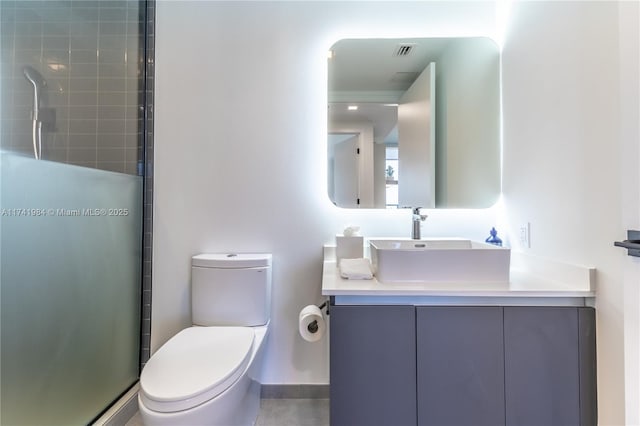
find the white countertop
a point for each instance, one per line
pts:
(530, 277)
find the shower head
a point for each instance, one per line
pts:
(34, 77)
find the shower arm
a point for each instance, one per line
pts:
(38, 82)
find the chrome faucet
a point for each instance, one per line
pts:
(417, 219)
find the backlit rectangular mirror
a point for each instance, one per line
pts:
(414, 123)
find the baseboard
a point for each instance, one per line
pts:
(127, 406)
(122, 411)
(294, 391)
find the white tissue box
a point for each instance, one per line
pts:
(349, 247)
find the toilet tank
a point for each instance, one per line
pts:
(231, 289)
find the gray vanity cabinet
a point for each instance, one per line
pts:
(373, 366)
(460, 365)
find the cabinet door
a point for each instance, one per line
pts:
(588, 373)
(372, 366)
(541, 366)
(460, 365)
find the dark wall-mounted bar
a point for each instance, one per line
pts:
(632, 243)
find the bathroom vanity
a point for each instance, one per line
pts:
(520, 352)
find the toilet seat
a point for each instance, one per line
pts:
(194, 366)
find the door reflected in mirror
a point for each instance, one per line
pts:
(414, 123)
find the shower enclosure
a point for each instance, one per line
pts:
(73, 193)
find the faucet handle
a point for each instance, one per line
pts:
(418, 216)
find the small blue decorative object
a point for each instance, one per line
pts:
(494, 239)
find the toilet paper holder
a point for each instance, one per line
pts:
(313, 325)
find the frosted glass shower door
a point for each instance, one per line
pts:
(70, 289)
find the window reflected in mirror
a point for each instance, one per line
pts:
(391, 176)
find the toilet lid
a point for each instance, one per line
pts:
(194, 366)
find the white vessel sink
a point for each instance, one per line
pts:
(439, 260)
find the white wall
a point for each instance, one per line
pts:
(629, 58)
(241, 152)
(379, 175)
(564, 151)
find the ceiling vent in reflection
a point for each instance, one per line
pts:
(404, 49)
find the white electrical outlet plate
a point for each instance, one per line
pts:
(525, 235)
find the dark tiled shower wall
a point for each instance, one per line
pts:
(147, 154)
(91, 55)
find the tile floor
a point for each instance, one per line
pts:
(283, 412)
(135, 420)
(293, 412)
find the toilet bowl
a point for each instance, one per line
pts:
(209, 374)
(174, 389)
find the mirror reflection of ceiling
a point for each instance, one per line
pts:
(379, 70)
(374, 73)
(383, 117)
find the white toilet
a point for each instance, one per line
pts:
(208, 374)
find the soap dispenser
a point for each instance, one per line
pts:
(494, 239)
